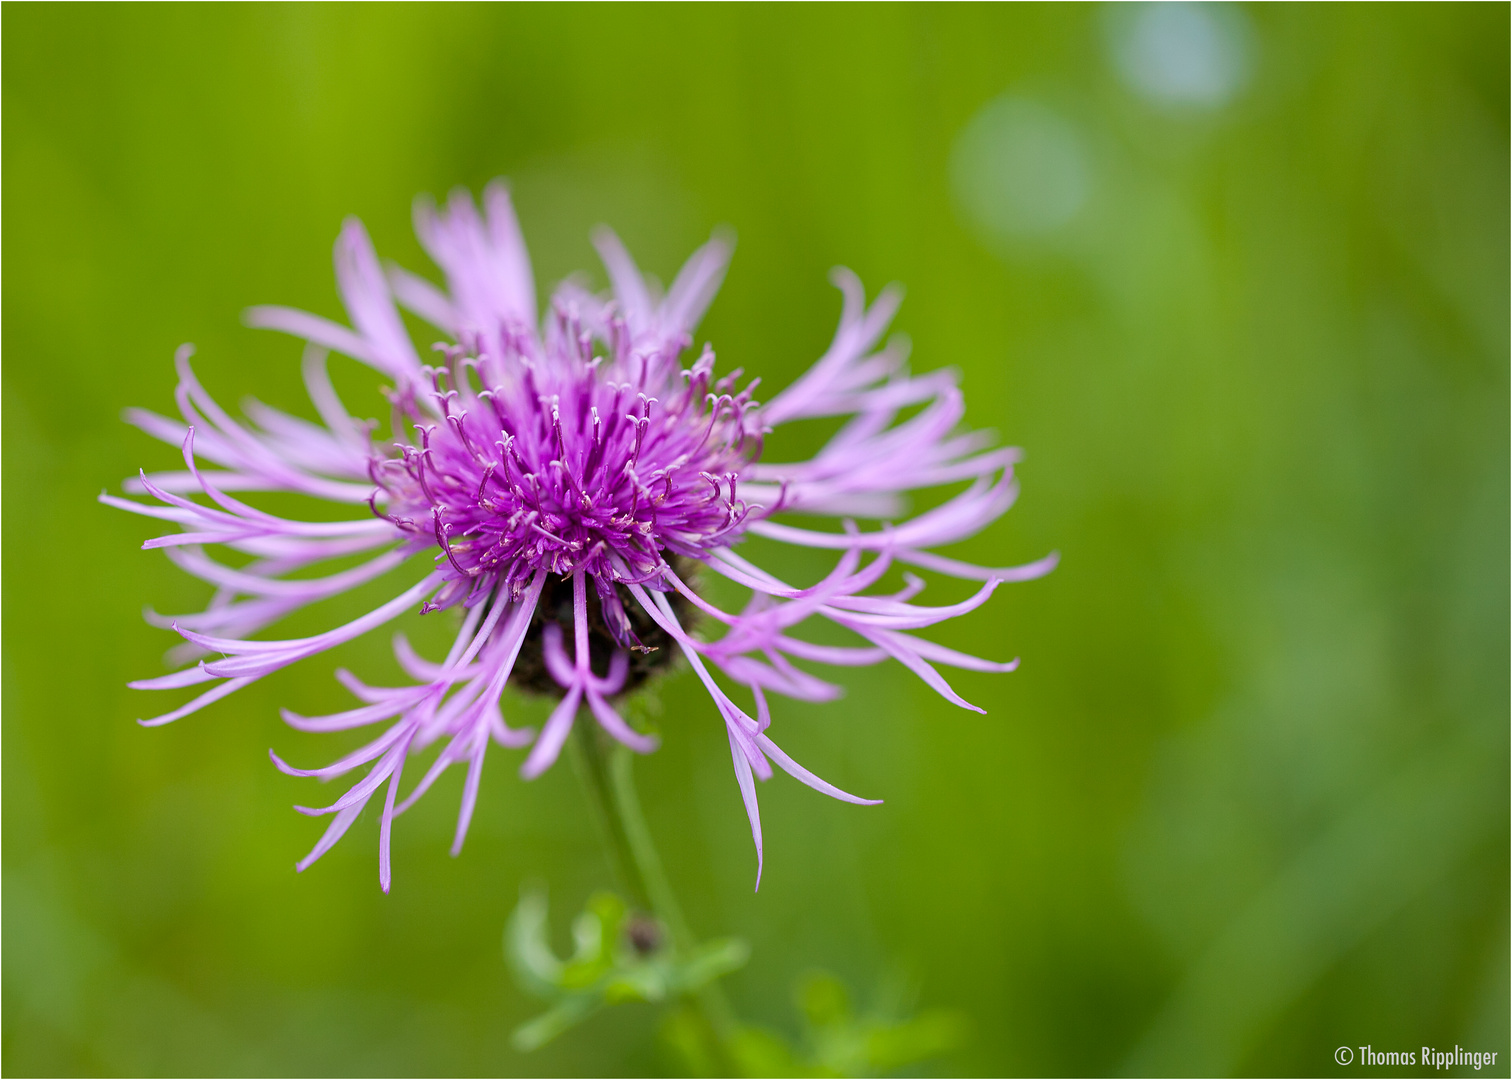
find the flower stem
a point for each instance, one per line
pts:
(593, 770)
(609, 778)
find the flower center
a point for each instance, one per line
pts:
(657, 651)
(569, 463)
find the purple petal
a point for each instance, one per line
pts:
(748, 796)
(797, 771)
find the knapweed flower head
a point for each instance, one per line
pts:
(561, 479)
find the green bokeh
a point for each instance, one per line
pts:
(1245, 801)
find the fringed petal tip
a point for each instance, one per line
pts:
(1030, 571)
(514, 738)
(532, 769)
(288, 770)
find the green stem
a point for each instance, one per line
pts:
(643, 851)
(611, 791)
(711, 997)
(588, 756)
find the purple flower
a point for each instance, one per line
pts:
(563, 484)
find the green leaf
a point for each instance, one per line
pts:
(926, 1036)
(606, 967)
(823, 999)
(527, 946)
(710, 961)
(571, 1011)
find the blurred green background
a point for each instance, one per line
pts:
(1237, 279)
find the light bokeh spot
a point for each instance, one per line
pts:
(1181, 54)
(1020, 170)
